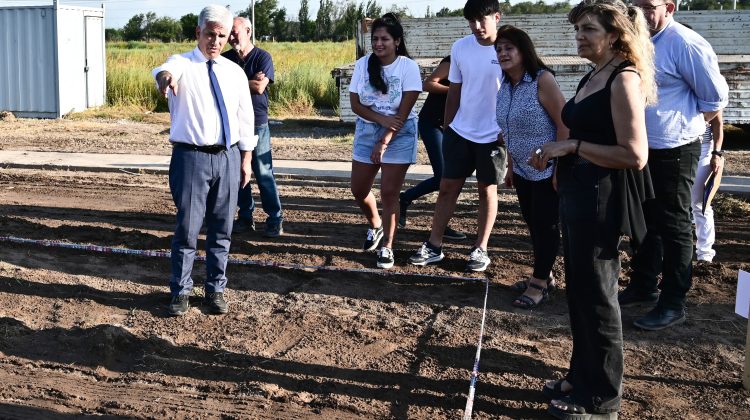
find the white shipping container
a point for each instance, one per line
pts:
(53, 60)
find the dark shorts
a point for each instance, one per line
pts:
(462, 157)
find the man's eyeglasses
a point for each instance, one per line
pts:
(651, 8)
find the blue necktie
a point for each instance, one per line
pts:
(216, 90)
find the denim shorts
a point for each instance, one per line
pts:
(402, 149)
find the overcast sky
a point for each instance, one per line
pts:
(117, 12)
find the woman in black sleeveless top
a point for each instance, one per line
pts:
(601, 186)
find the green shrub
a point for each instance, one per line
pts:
(132, 45)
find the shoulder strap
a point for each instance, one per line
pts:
(621, 68)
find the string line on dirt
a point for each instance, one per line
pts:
(167, 254)
(474, 377)
(475, 369)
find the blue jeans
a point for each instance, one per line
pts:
(263, 174)
(432, 136)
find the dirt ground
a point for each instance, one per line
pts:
(321, 138)
(86, 333)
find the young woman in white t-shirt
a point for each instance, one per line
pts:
(385, 85)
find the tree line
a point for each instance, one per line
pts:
(335, 20)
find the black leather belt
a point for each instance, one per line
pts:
(213, 149)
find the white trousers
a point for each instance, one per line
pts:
(704, 223)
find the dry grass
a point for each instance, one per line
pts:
(303, 79)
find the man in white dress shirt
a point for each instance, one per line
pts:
(212, 133)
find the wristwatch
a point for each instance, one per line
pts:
(719, 153)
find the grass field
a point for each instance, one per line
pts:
(303, 74)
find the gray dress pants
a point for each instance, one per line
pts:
(204, 186)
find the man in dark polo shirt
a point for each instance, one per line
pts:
(258, 67)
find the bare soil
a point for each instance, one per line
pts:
(303, 138)
(86, 333)
(318, 138)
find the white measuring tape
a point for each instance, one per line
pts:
(475, 370)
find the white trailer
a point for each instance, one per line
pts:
(53, 60)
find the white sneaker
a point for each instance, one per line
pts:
(478, 260)
(385, 258)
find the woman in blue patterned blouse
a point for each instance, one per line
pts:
(529, 105)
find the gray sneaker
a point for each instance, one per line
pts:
(179, 305)
(273, 230)
(373, 239)
(427, 255)
(478, 260)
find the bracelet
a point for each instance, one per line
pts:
(719, 153)
(578, 147)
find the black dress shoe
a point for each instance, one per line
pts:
(179, 305)
(216, 303)
(632, 297)
(660, 318)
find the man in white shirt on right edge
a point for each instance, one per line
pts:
(470, 139)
